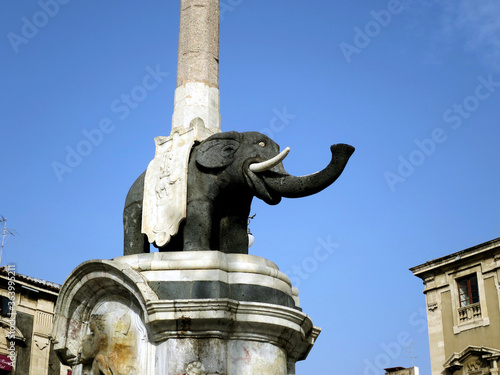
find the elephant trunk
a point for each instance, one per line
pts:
(296, 187)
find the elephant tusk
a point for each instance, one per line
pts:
(268, 164)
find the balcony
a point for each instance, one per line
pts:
(469, 313)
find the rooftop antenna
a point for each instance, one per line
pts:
(5, 233)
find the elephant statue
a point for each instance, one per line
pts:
(225, 172)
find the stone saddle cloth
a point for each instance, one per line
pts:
(165, 187)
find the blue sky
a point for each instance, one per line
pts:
(413, 85)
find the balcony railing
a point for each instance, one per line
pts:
(469, 313)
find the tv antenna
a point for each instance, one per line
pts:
(6, 232)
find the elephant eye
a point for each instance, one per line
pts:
(262, 144)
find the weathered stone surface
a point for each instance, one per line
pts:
(111, 317)
(250, 358)
(198, 57)
(116, 341)
(188, 355)
(197, 100)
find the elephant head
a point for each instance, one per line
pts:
(230, 155)
(261, 165)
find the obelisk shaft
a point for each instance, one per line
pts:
(197, 92)
(198, 58)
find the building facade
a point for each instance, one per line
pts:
(402, 371)
(462, 293)
(26, 314)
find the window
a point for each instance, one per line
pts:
(4, 306)
(468, 299)
(468, 290)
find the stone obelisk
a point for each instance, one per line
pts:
(197, 92)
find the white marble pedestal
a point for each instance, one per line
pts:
(177, 313)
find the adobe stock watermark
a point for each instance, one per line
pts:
(392, 350)
(30, 26)
(309, 265)
(364, 36)
(228, 6)
(122, 107)
(278, 122)
(455, 116)
(11, 335)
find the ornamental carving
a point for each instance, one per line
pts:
(473, 365)
(109, 348)
(432, 306)
(165, 187)
(195, 368)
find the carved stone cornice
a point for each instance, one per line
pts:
(234, 320)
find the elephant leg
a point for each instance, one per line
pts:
(234, 235)
(198, 225)
(135, 242)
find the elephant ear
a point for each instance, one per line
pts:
(217, 153)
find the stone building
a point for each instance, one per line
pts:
(25, 333)
(402, 371)
(462, 293)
